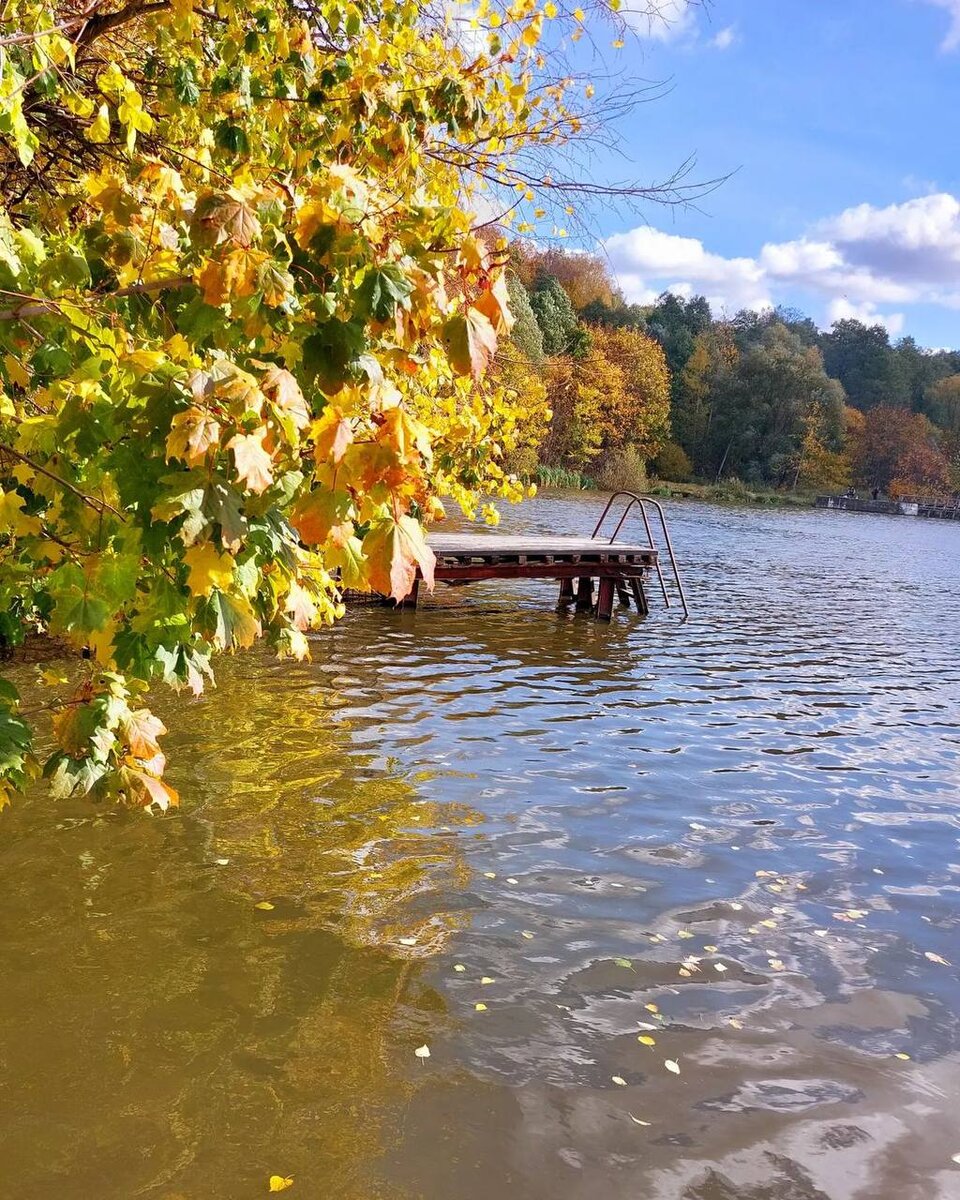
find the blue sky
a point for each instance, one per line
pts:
(840, 119)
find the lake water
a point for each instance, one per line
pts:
(757, 813)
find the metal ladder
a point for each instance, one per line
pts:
(641, 502)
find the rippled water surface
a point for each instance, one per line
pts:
(737, 837)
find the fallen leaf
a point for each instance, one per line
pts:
(221, 862)
(619, 1080)
(673, 1067)
(711, 949)
(684, 933)
(408, 941)
(488, 979)
(459, 967)
(526, 934)
(489, 874)
(646, 1040)
(637, 1121)
(480, 1007)
(902, 1056)
(510, 879)
(280, 1183)
(935, 958)
(422, 1052)
(651, 1008)
(719, 967)
(624, 962)
(265, 905)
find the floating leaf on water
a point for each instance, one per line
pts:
(637, 1121)
(684, 933)
(408, 941)
(935, 958)
(769, 923)
(719, 967)
(624, 962)
(672, 1066)
(734, 1023)
(776, 963)
(711, 949)
(265, 905)
(619, 1080)
(280, 1183)
(422, 1052)
(459, 968)
(526, 934)
(221, 862)
(684, 973)
(480, 1006)
(510, 879)
(488, 979)
(489, 874)
(903, 1057)
(651, 1008)
(736, 905)
(646, 1040)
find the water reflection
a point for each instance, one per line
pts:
(736, 837)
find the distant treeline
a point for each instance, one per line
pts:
(765, 397)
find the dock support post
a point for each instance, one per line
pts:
(640, 596)
(410, 599)
(566, 593)
(584, 594)
(622, 594)
(605, 592)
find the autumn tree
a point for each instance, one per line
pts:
(637, 413)
(897, 451)
(245, 329)
(584, 277)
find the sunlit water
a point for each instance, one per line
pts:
(771, 788)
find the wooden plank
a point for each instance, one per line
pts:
(485, 545)
(465, 572)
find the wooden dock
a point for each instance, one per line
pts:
(619, 566)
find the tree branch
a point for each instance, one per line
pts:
(37, 306)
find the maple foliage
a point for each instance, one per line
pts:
(245, 327)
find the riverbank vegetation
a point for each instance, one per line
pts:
(758, 403)
(250, 289)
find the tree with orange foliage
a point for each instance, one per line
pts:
(896, 450)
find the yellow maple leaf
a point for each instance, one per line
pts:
(280, 1183)
(208, 569)
(254, 464)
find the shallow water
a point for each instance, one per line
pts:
(533, 798)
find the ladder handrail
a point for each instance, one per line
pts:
(641, 502)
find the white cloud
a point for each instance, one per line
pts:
(841, 309)
(662, 20)
(646, 254)
(724, 39)
(952, 39)
(863, 257)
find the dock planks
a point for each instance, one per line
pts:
(468, 557)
